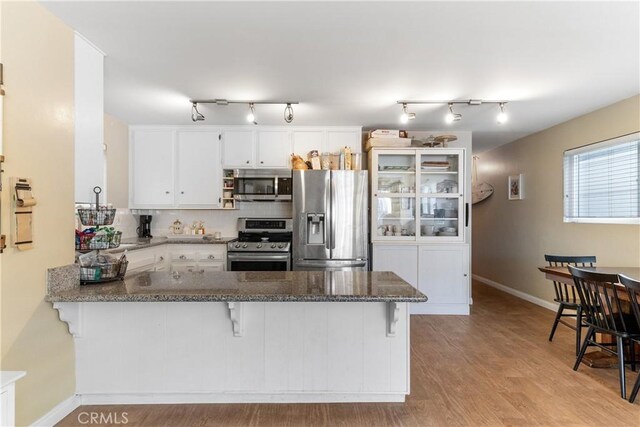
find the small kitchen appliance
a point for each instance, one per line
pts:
(263, 244)
(262, 185)
(144, 230)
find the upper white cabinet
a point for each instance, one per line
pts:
(151, 169)
(274, 149)
(338, 138)
(172, 168)
(305, 140)
(238, 148)
(198, 169)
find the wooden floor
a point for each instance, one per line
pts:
(493, 368)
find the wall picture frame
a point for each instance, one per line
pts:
(516, 187)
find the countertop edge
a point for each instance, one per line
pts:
(225, 298)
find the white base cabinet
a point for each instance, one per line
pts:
(178, 257)
(440, 271)
(8, 397)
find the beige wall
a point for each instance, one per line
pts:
(510, 238)
(116, 138)
(37, 52)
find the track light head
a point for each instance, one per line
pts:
(451, 115)
(406, 115)
(502, 116)
(288, 113)
(196, 116)
(251, 117)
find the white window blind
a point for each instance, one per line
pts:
(601, 181)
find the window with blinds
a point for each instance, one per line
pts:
(601, 182)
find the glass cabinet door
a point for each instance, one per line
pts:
(441, 195)
(394, 195)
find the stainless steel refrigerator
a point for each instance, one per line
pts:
(330, 230)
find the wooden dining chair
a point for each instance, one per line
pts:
(633, 291)
(566, 296)
(604, 314)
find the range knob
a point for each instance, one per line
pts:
(259, 245)
(245, 246)
(273, 245)
(280, 246)
(237, 245)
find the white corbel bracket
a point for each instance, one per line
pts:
(71, 314)
(237, 321)
(393, 315)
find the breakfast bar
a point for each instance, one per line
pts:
(208, 337)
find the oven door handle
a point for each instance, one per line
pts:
(244, 256)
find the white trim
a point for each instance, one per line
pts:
(58, 412)
(522, 295)
(177, 398)
(90, 43)
(587, 220)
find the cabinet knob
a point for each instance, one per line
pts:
(261, 162)
(212, 257)
(161, 259)
(247, 161)
(183, 257)
(166, 192)
(465, 274)
(182, 192)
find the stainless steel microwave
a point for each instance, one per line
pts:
(262, 184)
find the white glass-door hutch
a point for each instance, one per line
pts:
(418, 195)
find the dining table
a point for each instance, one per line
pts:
(594, 359)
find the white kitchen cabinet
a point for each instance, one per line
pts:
(196, 257)
(171, 168)
(402, 260)
(198, 169)
(151, 168)
(440, 271)
(238, 148)
(273, 149)
(146, 259)
(443, 275)
(338, 138)
(418, 195)
(305, 140)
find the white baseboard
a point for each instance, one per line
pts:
(178, 398)
(58, 412)
(522, 295)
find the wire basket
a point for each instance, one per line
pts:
(104, 272)
(97, 216)
(93, 241)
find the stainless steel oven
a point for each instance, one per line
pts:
(264, 244)
(262, 184)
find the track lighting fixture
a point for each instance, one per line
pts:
(406, 115)
(502, 116)
(288, 113)
(251, 117)
(196, 116)
(451, 115)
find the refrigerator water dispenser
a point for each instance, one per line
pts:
(315, 229)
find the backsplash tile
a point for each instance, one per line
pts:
(225, 221)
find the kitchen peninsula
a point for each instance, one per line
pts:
(211, 337)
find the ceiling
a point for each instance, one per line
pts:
(348, 63)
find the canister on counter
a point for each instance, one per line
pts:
(356, 161)
(347, 158)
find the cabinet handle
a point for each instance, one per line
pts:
(261, 162)
(182, 192)
(466, 214)
(465, 274)
(161, 259)
(166, 192)
(219, 199)
(247, 161)
(183, 257)
(212, 257)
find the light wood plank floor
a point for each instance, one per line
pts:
(492, 368)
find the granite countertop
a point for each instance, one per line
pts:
(133, 243)
(258, 286)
